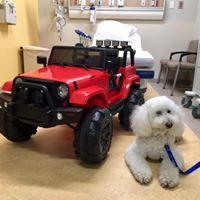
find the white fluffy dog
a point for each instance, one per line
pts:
(155, 123)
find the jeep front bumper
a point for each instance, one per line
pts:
(37, 116)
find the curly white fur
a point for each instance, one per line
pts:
(155, 124)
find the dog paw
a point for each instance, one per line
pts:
(168, 181)
(179, 139)
(143, 178)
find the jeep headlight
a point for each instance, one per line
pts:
(63, 91)
(18, 80)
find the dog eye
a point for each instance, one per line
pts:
(168, 111)
(159, 113)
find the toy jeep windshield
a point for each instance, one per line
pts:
(85, 57)
(93, 57)
(78, 86)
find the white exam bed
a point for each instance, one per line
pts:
(143, 59)
(113, 30)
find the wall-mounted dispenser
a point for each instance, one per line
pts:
(8, 12)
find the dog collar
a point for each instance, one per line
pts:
(173, 160)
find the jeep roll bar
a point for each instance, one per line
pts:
(103, 51)
(120, 46)
(132, 55)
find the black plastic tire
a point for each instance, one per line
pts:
(94, 135)
(135, 98)
(186, 102)
(196, 113)
(17, 131)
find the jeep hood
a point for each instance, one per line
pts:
(66, 74)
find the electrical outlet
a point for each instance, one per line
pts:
(120, 3)
(92, 1)
(111, 3)
(154, 3)
(100, 2)
(181, 5)
(79, 2)
(143, 2)
(171, 4)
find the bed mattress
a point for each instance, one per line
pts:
(143, 59)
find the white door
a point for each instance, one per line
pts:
(196, 85)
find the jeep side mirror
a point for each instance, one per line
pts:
(42, 60)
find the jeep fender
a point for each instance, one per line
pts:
(128, 84)
(83, 96)
(7, 86)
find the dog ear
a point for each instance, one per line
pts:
(139, 121)
(179, 126)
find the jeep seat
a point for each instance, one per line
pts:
(113, 63)
(113, 60)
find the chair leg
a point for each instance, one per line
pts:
(159, 75)
(166, 76)
(175, 79)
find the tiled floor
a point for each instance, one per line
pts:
(194, 124)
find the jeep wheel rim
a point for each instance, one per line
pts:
(105, 138)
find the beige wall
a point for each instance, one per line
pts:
(12, 37)
(159, 38)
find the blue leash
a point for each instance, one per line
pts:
(173, 160)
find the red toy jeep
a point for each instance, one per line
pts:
(81, 87)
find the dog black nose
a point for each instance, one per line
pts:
(169, 125)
